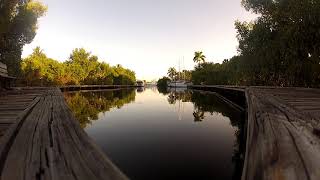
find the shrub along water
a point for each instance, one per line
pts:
(81, 68)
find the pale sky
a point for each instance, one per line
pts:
(147, 36)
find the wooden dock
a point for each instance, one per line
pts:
(40, 139)
(283, 137)
(283, 131)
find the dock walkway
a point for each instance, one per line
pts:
(283, 138)
(42, 140)
(283, 131)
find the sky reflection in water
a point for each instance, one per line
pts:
(167, 135)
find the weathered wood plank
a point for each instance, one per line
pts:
(280, 140)
(10, 120)
(8, 138)
(92, 163)
(17, 157)
(48, 143)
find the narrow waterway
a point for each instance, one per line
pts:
(152, 135)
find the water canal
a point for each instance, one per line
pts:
(166, 135)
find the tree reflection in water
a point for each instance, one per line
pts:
(86, 106)
(140, 89)
(163, 90)
(205, 102)
(198, 115)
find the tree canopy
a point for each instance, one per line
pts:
(280, 48)
(18, 25)
(81, 68)
(162, 83)
(172, 72)
(199, 57)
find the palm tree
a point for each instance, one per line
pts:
(172, 73)
(199, 57)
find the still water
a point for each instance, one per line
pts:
(166, 135)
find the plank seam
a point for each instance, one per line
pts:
(12, 135)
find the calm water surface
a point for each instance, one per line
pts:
(169, 135)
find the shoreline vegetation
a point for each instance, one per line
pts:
(82, 68)
(18, 26)
(281, 47)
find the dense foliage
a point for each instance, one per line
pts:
(80, 68)
(227, 73)
(281, 47)
(18, 25)
(163, 82)
(173, 75)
